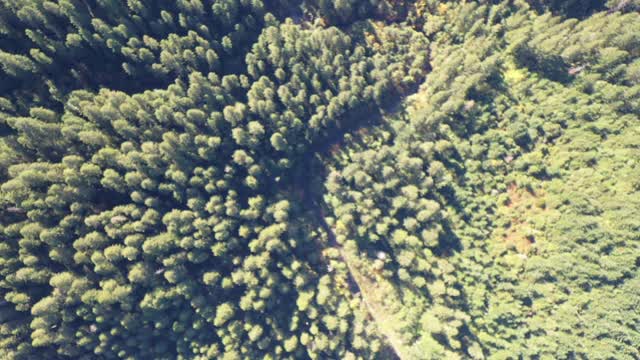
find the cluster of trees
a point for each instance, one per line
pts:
(166, 189)
(131, 46)
(516, 103)
(345, 12)
(146, 198)
(574, 135)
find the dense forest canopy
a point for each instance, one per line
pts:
(314, 179)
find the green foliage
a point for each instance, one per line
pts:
(235, 179)
(506, 103)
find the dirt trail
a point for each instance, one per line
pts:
(370, 292)
(373, 292)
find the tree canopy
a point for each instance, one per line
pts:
(310, 179)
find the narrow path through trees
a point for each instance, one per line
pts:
(360, 285)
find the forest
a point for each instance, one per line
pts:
(316, 179)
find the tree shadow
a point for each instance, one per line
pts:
(552, 67)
